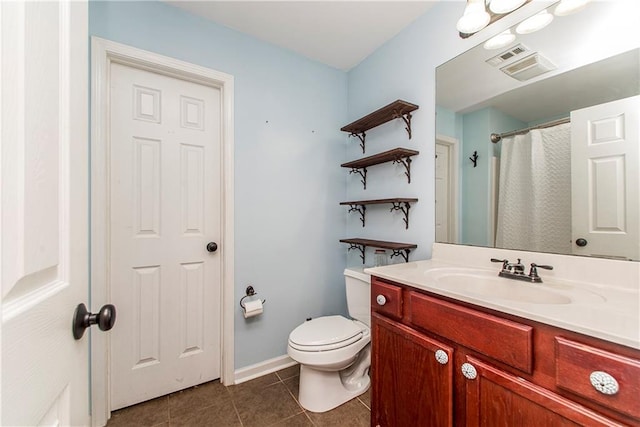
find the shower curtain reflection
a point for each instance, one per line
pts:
(534, 196)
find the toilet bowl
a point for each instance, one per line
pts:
(334, 352)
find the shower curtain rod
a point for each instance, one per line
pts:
(496, 137)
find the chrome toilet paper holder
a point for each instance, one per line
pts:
(250, 292)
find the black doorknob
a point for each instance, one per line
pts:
(82, 319)
(581, 242)
(212, 246)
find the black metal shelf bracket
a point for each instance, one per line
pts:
(361, 136)
(361, 209)
(407, 166)
(358, 247)
(363, 173)
(407, 121)
(404, 208)
(404, 253)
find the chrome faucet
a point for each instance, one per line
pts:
(516, 270)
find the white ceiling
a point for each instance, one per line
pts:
(339, 33)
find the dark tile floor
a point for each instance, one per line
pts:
(270, 400)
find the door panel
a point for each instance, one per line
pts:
(44, 212)
(165, 207)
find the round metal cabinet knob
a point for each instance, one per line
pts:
(442, 357)
(604, 383)
(381, 300)
(469, 371)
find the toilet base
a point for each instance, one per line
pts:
(321, 391)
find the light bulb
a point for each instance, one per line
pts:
(474, 19)
(535, 23)
(501, 40)
(567, 7)
(505, 6)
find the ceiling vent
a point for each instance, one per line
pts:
(508, 54)
(529, 67)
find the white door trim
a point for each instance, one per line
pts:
(103, 53)
(454, 172)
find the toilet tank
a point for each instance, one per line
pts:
(358, 286)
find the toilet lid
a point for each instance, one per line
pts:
(328, 332)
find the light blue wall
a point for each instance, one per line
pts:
(501, 122)
(288, 148)
(448, 123)
(476, 182)
(404, 68)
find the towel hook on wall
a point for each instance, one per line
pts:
(474, 159)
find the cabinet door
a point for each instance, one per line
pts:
(411, 387)
(496, 398)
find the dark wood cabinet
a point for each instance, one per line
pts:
(411, 387)
(501, 370)
(497, 398)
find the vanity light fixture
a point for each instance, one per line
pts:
(535, 23)
(480, 13)
(567, 7)
(475, 17)
(503, 39)
(505, 6)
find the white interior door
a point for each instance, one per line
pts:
(446, 194)
(165, 187)
(605, 162)
(44, 212)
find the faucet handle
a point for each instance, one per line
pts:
(533, 273)
(504, 262)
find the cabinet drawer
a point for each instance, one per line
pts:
(392, 305)
(575, 363)
(503, 340)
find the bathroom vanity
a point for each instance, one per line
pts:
(490, 353)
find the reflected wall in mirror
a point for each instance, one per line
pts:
(565, 175)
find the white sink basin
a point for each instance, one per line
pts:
(489, 285)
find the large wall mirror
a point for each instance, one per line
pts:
(564, 103)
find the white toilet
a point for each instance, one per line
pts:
(335, 352)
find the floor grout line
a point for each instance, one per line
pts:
(235, 408)
(309, 418)
(365, 405)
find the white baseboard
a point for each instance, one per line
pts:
(263, 368)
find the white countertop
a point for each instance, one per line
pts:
(607, 309)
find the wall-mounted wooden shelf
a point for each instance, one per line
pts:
(396, 110)
(398, 203)
(397, 155)
(398, 249)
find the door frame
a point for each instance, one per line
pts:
(454, 201)
(103, 53)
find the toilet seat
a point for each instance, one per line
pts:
(325, 333)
